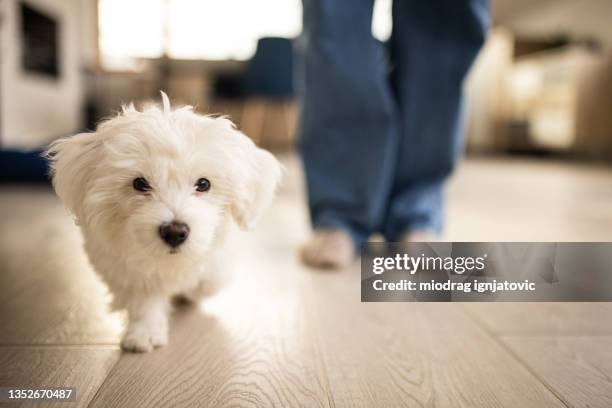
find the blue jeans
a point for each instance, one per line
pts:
(380, 128)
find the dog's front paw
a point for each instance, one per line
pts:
(141, 338)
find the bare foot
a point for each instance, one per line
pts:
(328, 248)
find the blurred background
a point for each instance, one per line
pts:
(542, 84)
(539, 128)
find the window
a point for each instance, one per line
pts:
(201, 29)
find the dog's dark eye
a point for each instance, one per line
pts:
(141, 184)
(202, 185)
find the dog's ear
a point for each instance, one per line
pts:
(259, 177)
(72, 161)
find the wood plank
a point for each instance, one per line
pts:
(506, 199)
(579, 369)
(49, 293)
(82, 367)
(543, 318)
(413, 354)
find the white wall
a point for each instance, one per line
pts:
(36, 109)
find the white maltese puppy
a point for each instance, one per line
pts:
(155, 193)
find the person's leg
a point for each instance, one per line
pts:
(347, 124)
(433, 45)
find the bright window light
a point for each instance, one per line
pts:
(131, 28)
(192, 29)
(202, 29)
(228, 29)
(382, 22)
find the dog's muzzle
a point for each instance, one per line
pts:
(174, 233)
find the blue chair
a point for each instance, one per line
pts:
(269, 73)
(269, 80)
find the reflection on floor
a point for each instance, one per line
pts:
(283, 335)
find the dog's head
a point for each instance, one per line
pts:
(164, 179)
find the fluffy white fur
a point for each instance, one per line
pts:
(93, 174)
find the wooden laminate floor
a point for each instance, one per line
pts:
(284, 335)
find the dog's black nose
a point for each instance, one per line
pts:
(174, 233)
